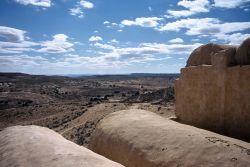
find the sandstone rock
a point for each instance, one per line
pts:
(243, 53)
(138, 138)
(33, 146)
(215, 98)
(202, 55)
(224, 58)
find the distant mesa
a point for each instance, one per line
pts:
(30, 146)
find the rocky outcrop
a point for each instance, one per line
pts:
(243, 53)
(29, 146)
(138, 138)
(216, 97)
(202, 55)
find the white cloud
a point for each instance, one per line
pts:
(229, 3)
(151, 48)
(106, 22)
(40, 3)
(13, 47)
(116, 57)
(192, 7)
(14, 41)
(189, 24)
(21, 61)
(179, 13)
(176, 40)
(104, 46)
(59, 44)
(12, 34)
(114, 41)
(77, 11)
(109, 24)
(232, 39)
(207, 27)
(95, 38)
(111, 58)
(142, 21)
(172, 49)
(86, 4)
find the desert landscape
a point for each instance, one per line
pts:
(136, 120)
(94, 83)
(72, 106)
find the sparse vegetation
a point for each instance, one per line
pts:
(73, 106)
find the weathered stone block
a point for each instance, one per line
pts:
(215, 98)
(138, 138)
(202, 55)
(33, 146)
(243, 53)
(224, 58)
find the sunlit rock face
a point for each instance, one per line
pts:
(33, 146)
(203, 54)
(216, 96)
(138, 138)
(243, 53)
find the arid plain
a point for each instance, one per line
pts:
(72, 106)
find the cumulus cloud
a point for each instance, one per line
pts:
(150, 49)
(13, 41)
(176, 40)
(229, 3)
(40, 3)
(104, 46)
(109, 24)
(86, 4)
(210, 27)
(116, 57)
(78, 9)
(95, 38)
(111, 57)
(114, 41)
(192, 7)
(142, 21)
(172, 49)
(13, 47)
(21, 61)
(106, 22)
(59, 44)
(189, 24)
(12, 34)
(232, 39)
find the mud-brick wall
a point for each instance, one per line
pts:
(216, 99)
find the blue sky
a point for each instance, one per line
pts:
(114, 36)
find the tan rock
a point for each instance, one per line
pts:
(224, 58)
(202, 55)
(33, 146)
(138, 138)
(243, 53)
(215, 98)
